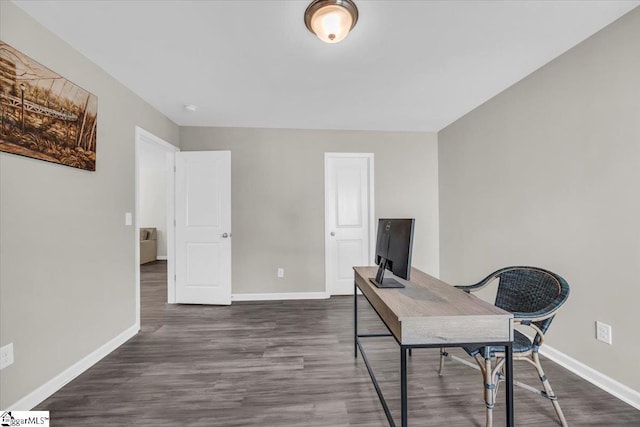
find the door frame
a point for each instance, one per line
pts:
(370, 173)
(143, 136)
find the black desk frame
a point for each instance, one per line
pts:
(404, 349)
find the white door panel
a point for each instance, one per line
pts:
(349, 254)
(348, 217)
(203, 227)
(203, 199)
(203, 266)
(349, 192)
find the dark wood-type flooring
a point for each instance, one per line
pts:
(291, 363)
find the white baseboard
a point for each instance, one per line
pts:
(47, 389)
(161, 257)
(608, 384)
(279, 296)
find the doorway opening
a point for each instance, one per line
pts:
(154, 210)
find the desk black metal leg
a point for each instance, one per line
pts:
(403, 384)
(355, 320)
(509, 391)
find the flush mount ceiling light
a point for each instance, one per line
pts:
(190, 108)
(331, 20)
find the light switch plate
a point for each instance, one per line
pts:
(128, 218)
(6, 355)
(603, 332)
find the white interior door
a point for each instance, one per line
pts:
(348, 218)
(203, 227)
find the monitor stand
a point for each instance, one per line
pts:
(380, 281)
(387, 283)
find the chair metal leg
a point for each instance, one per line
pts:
(548, 390)
(443, 354)
(489, 390)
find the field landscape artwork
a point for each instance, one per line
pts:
(43, 115)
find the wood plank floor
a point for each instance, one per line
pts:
(291, 363)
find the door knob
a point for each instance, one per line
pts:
(225, 235)
(333, 233)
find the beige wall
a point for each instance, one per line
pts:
(548, 173)
(66, 257)
(277, 183)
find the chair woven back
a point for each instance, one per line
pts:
(530, 290)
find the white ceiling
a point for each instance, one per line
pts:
(407, 65)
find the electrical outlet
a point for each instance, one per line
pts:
(603, 332)
(6, 355)
(280, 272)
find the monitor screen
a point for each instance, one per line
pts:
(393, 250)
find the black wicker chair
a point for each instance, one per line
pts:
(534, 296)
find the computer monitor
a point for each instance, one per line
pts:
(393, 251)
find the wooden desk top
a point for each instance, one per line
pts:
(429, 311)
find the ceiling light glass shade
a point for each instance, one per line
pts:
(331, 20)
